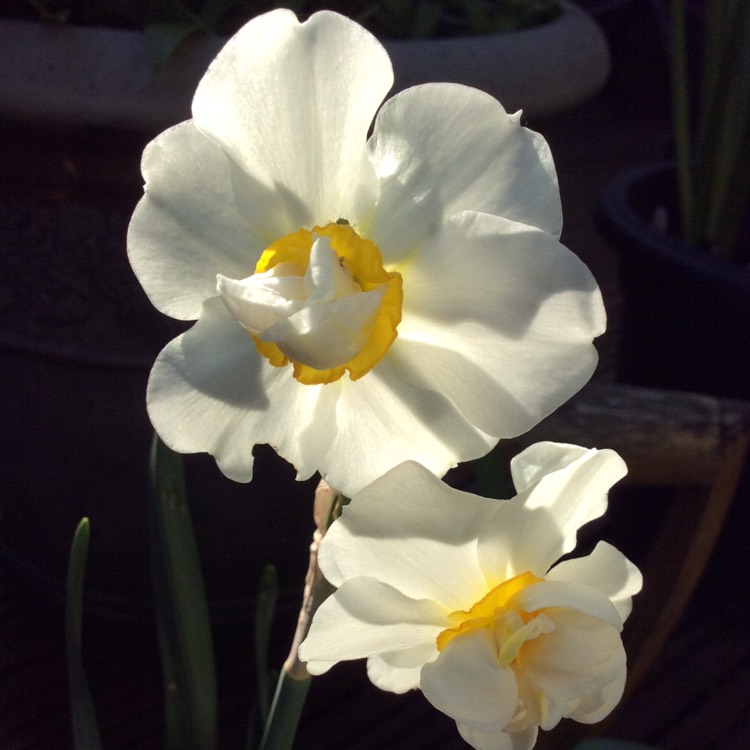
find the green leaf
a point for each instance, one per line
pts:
(266, 606)
(264, 613)
(285, 713)
(181, 610)
(83, 717)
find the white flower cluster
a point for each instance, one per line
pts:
(364, 301)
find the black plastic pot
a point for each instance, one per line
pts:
(686, 317)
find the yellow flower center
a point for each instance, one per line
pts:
(510, 625)
(360, 259)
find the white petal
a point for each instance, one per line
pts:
(577, 494)
(570, 594)
(442, 148)
(399, 671)
(325, 278)
(596, 706)
(365, 617)
(540, 459)
(327, 334)
(523, 740)
(541, 522)
(466, 683)
(382, 420)
(187, 227)
(413, 532)
(500, 317)
(292, 103)
(607, 570)
(579, 658)
(211, 391)
(259, 301)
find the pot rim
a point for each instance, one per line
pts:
(631, 235)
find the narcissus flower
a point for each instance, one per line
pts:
(460, 595)
(359, 301)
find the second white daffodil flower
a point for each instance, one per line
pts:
(358, 301)
(460, 596)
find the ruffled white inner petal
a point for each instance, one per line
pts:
(596, 706)
(522, 740)
(466, 683)
(578, 659)
(570, 594)
(608, 571)
(322, 319)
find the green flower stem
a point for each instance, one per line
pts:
(294, 680)
(181, 611)
(85, 729)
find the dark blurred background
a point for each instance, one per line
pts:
(78, 337)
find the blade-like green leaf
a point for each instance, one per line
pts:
(264, 613)
(83, 717)
(266, 606)
(181, 611)
(285, 713)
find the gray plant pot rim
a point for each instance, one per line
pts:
(104, 77)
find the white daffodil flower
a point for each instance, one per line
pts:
(460, 595)
(359, 301)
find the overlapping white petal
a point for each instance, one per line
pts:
(488, 164)
(211, 388)
(497, 317)
(579, 658)
(522, 740)
(465, 683)
(188, 227)
(435, 558)
(426, 557)
(291, 104)
(478, 321)
(320, 317)
(605, 570)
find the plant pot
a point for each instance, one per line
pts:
(105, 77)
(541, 69)
(686, 312)
(77, 340)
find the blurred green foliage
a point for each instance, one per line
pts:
(394, 19)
